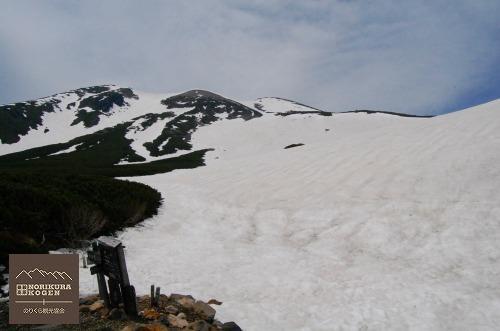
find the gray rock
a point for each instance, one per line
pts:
(96, 305)
(186, 302)
(177, 322)
(175, 296)
(214, 302)
(204, 310)
(230, 326)
(172, 310)
(89, 300)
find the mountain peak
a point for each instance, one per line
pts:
(202, 93)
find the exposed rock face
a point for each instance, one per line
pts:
(293, 145)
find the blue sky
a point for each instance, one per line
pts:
(421, 57)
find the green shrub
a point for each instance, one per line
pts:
(40, 212)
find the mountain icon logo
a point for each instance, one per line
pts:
(59, 275)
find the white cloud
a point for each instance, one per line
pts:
(341, 55)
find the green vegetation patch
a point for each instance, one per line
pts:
(51, 201)
(91, 108)
(19, 118)
(96, 154)
(206, 107)
(41, 212)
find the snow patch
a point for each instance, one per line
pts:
(68, 150)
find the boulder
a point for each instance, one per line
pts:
(204, 310)
(217, 324)
(186, 302)
(172, 310)
(89, 300)
(175, 296)
(84, 308)
(177, 322)
(214, 302)
(230, 326)
(96, 306)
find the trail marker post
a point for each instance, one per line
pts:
(108, 259)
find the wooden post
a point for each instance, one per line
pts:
(115, 295)
(157, 297)
(103, 291)
(152, 299)
(129, 301)
(123, 266)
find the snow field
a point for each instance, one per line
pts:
(380, 223)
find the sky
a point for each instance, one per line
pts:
(419, 57)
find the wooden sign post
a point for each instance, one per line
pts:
(109, 260)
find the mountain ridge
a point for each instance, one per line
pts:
(60, 117)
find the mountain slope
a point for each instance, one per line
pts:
(76, 110)
(381, 222)
(111, 128)
(137, 127)
(374, 221)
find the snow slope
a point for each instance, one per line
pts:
(280, 105)
(378, 222)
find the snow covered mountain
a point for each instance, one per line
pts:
(155, 124)
(372, 222)
(163, 123)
